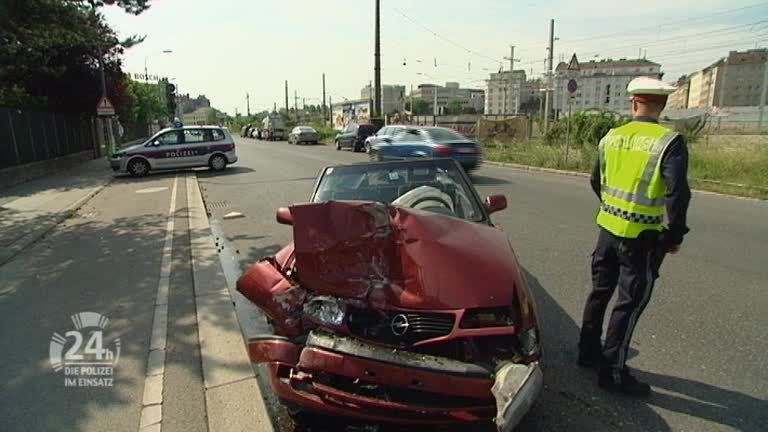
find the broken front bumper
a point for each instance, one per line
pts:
(343, 376)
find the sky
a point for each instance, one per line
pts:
(227, 48)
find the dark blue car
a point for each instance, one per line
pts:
(429, 142)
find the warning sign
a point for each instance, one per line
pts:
(105, 107)
(573, 65)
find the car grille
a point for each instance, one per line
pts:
(377, 326)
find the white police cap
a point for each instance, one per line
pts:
(649, 86)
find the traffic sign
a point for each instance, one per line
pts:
(105, 107)
(573, 65)
(572, 87)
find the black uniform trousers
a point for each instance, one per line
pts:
(633, 266)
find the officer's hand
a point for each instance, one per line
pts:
(674, 249)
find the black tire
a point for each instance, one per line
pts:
(338, 145)
(217, 162)
(356, 147)
(138, 167)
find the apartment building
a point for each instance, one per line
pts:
(505, 92)
(469, 98)
(601, 84)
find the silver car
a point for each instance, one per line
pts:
(184, 147)
(302, 134)
(383, 134)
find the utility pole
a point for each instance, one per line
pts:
(547, 102)
(762, 98)
(295, 102)
(248, 104)
(286, 98)
(377, 66)
(304, 103)
(330, 110)
(371, 100)
(512, 61)
(324, 112)
(411, 101)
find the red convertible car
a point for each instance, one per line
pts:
(398, 301)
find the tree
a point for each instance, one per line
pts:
(421, 107)
(131, 6)
(454, 107)
(147, 105)
(49, 52)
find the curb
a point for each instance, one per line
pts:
(22, 244)
(585, 175)
(233, 398)
(535, 168)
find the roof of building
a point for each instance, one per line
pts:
(609, 63)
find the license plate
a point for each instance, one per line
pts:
(465, 150)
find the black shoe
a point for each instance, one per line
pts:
(627, 384)
(590, 359)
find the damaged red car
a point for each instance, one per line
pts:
(398, 301)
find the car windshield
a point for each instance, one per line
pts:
(430, 185)
(441, 135)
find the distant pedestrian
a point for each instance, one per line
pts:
(641, 172)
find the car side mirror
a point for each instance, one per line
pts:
(387, 140)
(156, 143)
(284, 216)
(494, 203)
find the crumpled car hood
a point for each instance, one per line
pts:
(398, 257)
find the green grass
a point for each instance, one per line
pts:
(737, 166)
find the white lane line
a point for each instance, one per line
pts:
(152, 403)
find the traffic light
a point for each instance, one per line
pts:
(170, 98)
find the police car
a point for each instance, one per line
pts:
(179, 147)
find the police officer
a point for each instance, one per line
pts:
(641, 173)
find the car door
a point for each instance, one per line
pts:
(196, 148)
(350, 133)
(410, 144)
(165, 148)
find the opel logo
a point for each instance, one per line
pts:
(399, 325)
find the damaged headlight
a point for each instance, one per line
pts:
(529, 341)
(487, 317)
(325, 309)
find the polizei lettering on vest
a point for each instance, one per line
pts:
(640, 143)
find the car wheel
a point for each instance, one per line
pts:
(338, 145)
(217, 162)
(138, 167)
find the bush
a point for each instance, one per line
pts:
(586, 128)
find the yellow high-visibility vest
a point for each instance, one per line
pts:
(632, 187)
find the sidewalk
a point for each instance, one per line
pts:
(29, 210)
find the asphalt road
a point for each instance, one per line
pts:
(701, 343)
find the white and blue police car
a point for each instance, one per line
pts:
(179, 147)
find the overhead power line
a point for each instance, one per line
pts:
(450, 41)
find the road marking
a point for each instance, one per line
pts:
(152, 190)
(152, 403)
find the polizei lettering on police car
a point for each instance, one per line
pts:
(180, 153)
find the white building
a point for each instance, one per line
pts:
(505, 92)
(469, 98)
(601, 84)
(392, 97)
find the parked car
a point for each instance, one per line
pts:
(189, 146)
(353, 136)
(302, 134)
(387, 132)
(272, 128)
(245, 131)
(373, 319)
(429, 142)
